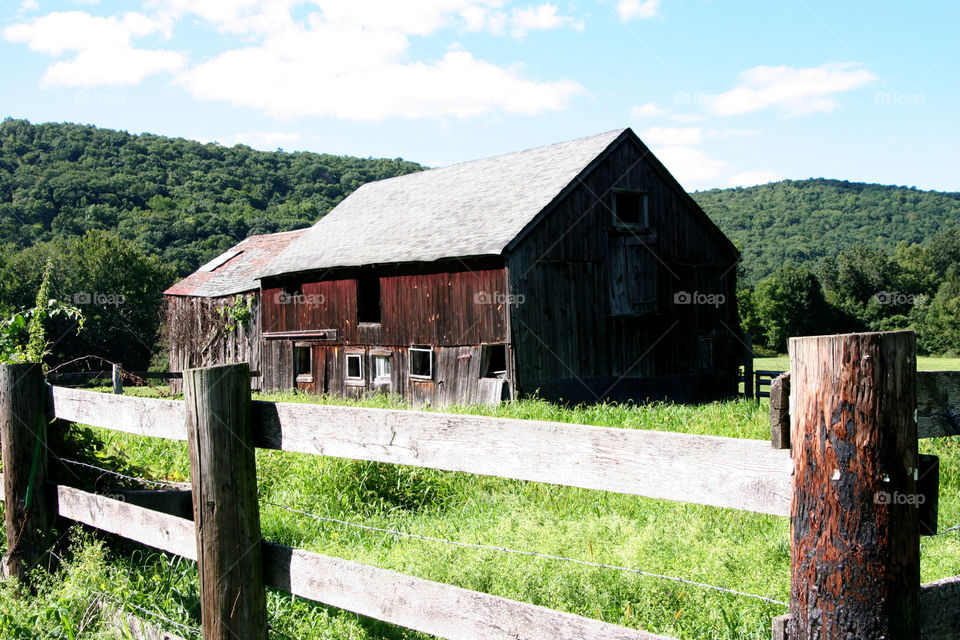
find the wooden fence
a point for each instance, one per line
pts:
(845, 583)
(760, 381)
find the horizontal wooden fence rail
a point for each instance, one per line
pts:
(337, 582)
(711, 470)
(415, 603)
(716, 471)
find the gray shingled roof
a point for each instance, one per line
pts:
(470, 209)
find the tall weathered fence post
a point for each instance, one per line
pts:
(225, 509)
(855, 551)
(23, 432)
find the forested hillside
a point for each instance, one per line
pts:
(120, 217)
(181, 200)
(802, 221)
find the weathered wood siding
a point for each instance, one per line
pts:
(454, 309)
(197, 335)
(456, 378)
(456, 305)
(569, 336)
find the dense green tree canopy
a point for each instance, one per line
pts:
(802, 221)
(123, 216)
(182, 200)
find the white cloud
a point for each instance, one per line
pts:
(726, 134)
(63, 31)
(795, 91)
(751, 178)
(631, 9)
(690, 166)
(668, 136)
(686, 118)
(110, 67)
(103, 47)
(647, 110)
(26, 6)
(348, 59)
(364, 77)
(537, 18)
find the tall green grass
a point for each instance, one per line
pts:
(738, 550)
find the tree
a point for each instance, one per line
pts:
(791, 303)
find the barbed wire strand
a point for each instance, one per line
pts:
(157, 483)
(534, 554)
(153, 614)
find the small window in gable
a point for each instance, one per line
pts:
(631, 208)
(421, 363)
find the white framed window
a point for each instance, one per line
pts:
(382, 366)
(354, 366)
(421, 363)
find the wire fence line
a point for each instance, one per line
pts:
(156, 483)
(533, 554)
(153, 614)
(472, 545)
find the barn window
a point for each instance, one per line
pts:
(354, 366)
(631, 208)
(421, 363)
(493, 361)
(303, 364)
(382, 367)
(368, 298)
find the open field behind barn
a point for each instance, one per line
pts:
(733, 549)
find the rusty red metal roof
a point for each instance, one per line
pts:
(235, 270)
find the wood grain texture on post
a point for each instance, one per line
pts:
(855, 553)
(225, 509)
(23, 432)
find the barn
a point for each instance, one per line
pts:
(579, 271)
(213, 315)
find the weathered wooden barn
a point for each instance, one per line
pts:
(213, 315)
(580, 270)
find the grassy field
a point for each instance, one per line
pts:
(924, 363)
(738, 550)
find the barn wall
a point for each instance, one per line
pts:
(568, 339)
(458, 305)
(456, 378)
(197, 335)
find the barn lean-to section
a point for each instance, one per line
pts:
(213, 315)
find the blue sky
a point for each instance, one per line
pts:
(725, 93)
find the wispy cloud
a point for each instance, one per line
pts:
(637, 9)
(793, 91)
(102, 47)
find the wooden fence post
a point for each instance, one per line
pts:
(747, 366)
(855, 552)
(23, 431)
(117, 376)
(225, 508)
